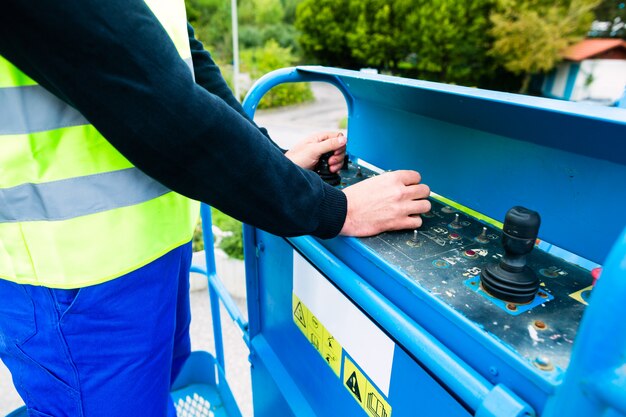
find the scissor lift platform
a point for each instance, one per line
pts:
(199, 391)
(393, 346)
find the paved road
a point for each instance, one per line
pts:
(286, 127)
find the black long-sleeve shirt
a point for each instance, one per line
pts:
(113, 61)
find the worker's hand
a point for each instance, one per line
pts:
(307, 153)
(390, 201)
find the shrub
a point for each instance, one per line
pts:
(272, 56)
(231, 245)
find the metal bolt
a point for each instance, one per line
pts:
(511, 306)
(260, 247)
(543, 363)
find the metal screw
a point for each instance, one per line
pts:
(543, 363)
(540, 325)
(511, 306)
(260, 247)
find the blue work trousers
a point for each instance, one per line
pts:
(108, 350)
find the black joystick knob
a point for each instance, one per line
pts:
(323, 170)
(511, 280)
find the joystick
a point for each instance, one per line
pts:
(512, 280)
(323, 170)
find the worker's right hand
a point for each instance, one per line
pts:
(390, 201)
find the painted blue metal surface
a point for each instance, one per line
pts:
(200, 390)
(469, 386)
(289, 374)
(572, 75)
(488, 151)
(622, 101)
(596, 378)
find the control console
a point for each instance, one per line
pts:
(496, 277)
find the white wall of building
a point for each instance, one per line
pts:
(601, 80)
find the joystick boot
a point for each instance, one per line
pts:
(323, 170)
(512, 280)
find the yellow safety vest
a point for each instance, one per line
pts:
(73, 211)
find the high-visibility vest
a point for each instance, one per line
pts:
(74, 212)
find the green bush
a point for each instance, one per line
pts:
(260, 61)
(231, 245)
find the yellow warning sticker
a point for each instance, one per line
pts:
(582, 296)
(321, 339)
(364, 391)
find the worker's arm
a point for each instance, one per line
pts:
(114, 62)
(209, 76)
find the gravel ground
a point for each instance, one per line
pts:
(286, 126)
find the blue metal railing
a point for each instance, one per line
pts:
(217, 291)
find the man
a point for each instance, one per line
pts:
(94, 252)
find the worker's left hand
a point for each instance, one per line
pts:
(307, 153)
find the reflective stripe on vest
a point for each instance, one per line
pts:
(74, 211)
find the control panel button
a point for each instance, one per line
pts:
(595, 273)
(470, 254)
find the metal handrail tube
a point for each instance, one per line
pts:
(288, 75)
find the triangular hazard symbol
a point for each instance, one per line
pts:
(299, 314)
(353, 384)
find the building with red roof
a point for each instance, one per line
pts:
(594, 70)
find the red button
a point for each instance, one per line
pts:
(595, 273)
(470, 253)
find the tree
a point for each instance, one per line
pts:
(260, 61)
(324, 25)
(443, 40)
(531, 35)
(449, 39)
(610, 20)
(211, 20)
(259, 22)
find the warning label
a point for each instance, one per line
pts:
(364, 391)
(582, 296)
(324, 342)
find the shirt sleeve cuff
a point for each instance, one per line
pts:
(332, 213)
